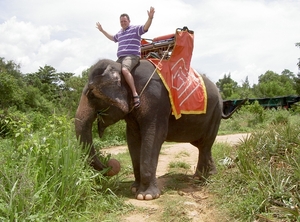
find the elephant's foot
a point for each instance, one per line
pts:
(150, 193)
(204, 173)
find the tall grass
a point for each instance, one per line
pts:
(44, 174)
(263, 183)
(44, 177)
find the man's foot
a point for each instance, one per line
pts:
(136, 101)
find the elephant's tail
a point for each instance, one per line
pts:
(227, 116)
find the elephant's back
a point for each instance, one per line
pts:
(145, 69)
(145, 74)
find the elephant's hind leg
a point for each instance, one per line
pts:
(205, 165)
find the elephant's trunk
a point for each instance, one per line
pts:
(84, 118)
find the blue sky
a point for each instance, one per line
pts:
(240, 37)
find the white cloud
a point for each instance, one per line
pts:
(244, 38)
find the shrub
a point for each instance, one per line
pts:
(269, 163)
(296, 108)
(44, 176)
(114, 135)
(12, 122)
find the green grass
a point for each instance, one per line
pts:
(44, 174)
(44, 177)
(263, 179)
(179, 164)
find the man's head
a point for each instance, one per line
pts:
(124, 21)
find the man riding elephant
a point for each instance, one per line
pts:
(193, 116)
(129, 47)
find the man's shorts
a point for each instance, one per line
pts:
(129, 62)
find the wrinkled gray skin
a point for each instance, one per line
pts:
(149, 125)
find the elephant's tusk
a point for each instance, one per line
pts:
(87, 92)
(78, 119)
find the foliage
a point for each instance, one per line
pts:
(42, 91)
(271, 159)
(298, 45)
(10, 85)
(48, 91)
(226, 86)
(297, 82)
(256, 110)
(263, 179)
(297, 79)
(271, 84)
(245, 91)
(254, 117)
(249, 116)
(44, 177)
(296, 108)
(114, 135)
(44, 174)
(13, 121)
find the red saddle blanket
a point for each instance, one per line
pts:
(186, 88)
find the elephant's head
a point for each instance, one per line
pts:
(105, 99)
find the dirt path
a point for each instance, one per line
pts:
(184, 202)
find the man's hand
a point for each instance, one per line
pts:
(99, 27)
(151, 12)
(149, 20)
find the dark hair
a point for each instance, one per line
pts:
(125, 15)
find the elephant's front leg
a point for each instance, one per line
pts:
(148, 188)
(145, 159)
(134, 146)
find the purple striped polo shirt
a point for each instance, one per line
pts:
(129, 40)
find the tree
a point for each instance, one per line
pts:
(11, 85)
(297, 79)
(40, 91)
(272, 84)
(46, 80)
(70, 89)
(10, 67)
(245, 91)
(64, 77)
(227, 86)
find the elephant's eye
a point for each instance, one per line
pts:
(116, 76)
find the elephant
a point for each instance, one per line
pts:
(148, 126)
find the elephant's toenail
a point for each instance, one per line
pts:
(148, 197)
(140, 197)
(133, 189)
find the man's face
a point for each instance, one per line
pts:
(124, 22)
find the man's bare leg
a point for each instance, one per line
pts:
(130, 81)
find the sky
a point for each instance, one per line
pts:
(243, 38)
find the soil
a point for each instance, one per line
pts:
(182, 199)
